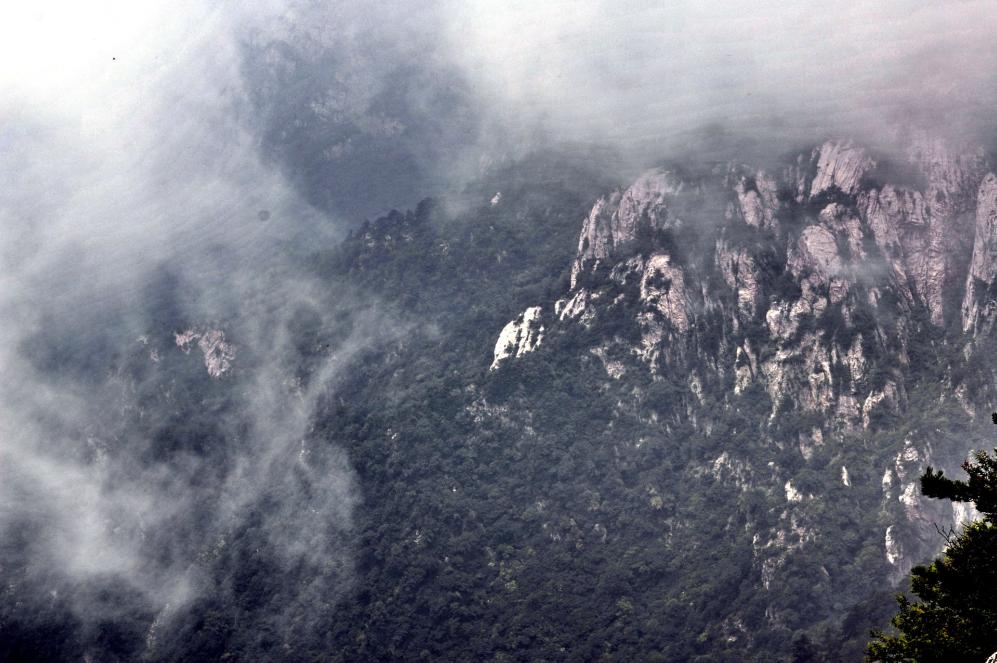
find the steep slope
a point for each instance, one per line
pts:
(681, 418)
(818, 308)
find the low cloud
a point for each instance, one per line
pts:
(134, 484)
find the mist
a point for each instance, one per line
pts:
(166, 168)
(138, 213)
(370, 107)
(648, 77)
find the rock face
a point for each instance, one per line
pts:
(617, 220)
(520, 336)
(979, 302)
(840, 235)
(840, 165)
(218, 353)
(807, 290)
(923, 232)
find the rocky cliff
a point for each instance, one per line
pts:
(814, 285)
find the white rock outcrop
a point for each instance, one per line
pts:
(616, 220)
(894, 551)
(520, 336)
(839, 164)
(662, 287)
(218, 353)
(963, 513)
(792, 494)
(978, 302)
(740, 274)
(759, 204)
(574, 307)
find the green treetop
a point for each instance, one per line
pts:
(956, 616)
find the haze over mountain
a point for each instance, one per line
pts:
(683, 301)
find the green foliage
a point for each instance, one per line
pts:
(956, 617)
(583, 525)
(545, 511)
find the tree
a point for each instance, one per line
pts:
(956, 617)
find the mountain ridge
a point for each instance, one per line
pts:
(859, 262)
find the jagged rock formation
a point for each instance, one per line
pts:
(979, 302)
(217, 352)
(520, 336)
(616, 221)
(812, 284)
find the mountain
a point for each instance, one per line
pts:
(703, 437)
(819, 289)
(556, 417)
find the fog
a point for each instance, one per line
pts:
(648, 75)
(165, 165)
(136, 206)
(373, 105)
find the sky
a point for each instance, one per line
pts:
(396, 100)
(635, 72)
